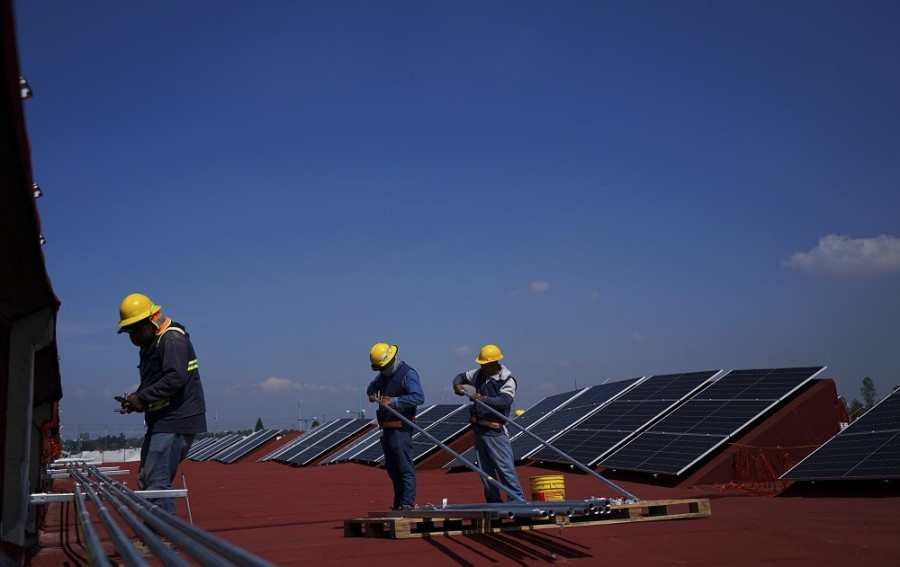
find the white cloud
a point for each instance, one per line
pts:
(842, 255)
(274, 384)
(464, 350)
(595, 295)
(539, 287)
(637, 336)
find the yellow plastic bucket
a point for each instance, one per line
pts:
(547, 488)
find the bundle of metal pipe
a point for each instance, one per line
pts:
(151, 523)
(494, 510)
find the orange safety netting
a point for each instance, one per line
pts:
(756, 470)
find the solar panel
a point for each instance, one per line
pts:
(246, 445)
(328, 442)
(532, 415)
(612, 424)
(867, 449)
(564, 417)
(373, 454)
(354, 448)
(306, 440)
(215, 447)
(199, 444)
(443, 430)
(707, 420)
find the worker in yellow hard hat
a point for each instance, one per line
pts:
(398, 386)
(170, 394)
(495, 387)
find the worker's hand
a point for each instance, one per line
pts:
(372, 397)
(459, 390)
(133, 403)
(385, 400)
(475, 396)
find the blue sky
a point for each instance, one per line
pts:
(604, 189)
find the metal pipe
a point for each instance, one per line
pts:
(554, 449)
(206, 548)
(471, 466)
(92, 540)
(187, 500)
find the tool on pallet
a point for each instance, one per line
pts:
(473, 467)
(571, 460)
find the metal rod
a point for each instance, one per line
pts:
(187, 500)
(92, 540)
(204, 547)
(557, 451)
(472, 467)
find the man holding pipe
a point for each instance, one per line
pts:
(496, 388)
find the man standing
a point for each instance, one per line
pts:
(398, 386)
(496, 387)
(170, 393)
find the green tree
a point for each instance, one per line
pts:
(868, 393)
(259, 425)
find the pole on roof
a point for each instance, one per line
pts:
(554, 449)
(472, 467)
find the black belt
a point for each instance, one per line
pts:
(486, 423)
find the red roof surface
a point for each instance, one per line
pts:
(295, 516)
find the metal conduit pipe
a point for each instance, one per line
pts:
(190, 541)
(92, 540)
(465, 461)
(206, 548)
(572, 460)
(121, 541)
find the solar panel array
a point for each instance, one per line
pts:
(328, 442)
(569, 413)
(250, 443)
(869, 448)
(444, 430)
(708, 420)
(358, 446)
(601, 432)
(211, 449)
(304, 440)
(532, 415)
(199, 444)
(373, 454)
(367, 442)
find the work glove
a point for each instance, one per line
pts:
(372, 397)
(459, 389)
(385, 400)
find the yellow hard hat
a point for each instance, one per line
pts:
(135, 307)
(381, 355)
(489, 353)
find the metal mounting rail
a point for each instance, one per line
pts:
(572, 460)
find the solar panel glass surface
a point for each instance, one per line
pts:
(592, 438)
(707, 420)
(567, 415)
(868, 449)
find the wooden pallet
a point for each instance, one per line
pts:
(438, 526)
